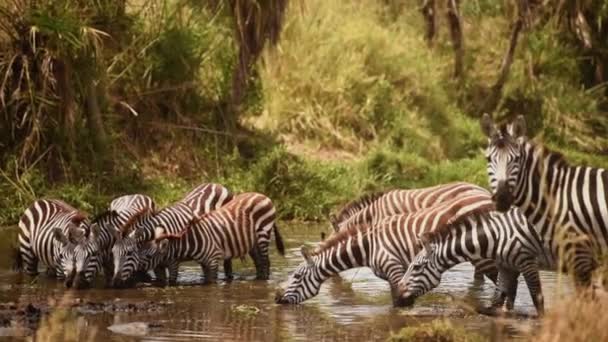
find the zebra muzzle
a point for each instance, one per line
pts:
(401, 302)
(69, 280)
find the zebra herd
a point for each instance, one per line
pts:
(207, 226)
(540, 214)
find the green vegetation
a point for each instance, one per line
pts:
(98, 99)
(436, 330)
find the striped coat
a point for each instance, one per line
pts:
(387, 247)
(241, 227)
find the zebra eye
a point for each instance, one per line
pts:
(297, 276)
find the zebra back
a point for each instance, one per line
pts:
(406, 201)
(207, 197)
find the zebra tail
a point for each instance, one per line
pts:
(18, 260)
(278, 240)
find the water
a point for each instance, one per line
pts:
(356, 306)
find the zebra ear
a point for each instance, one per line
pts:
(518, 127)
(59, 236)
(306, 255)
(425, 241)
(163, 246)
(334, 222)
(487, 125)
(95, 232)
(117, 234)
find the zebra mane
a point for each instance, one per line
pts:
(103, 215)
(359, 204)
(474, 206)
(340, 237)
(128, 225)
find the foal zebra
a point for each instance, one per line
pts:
(55, 233)
(371, 209)
(507, 238)
(243, 226)
(387, 247)
(568, 205)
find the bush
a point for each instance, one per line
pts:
(436, 331)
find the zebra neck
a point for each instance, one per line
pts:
(540, 182)
(342, 256)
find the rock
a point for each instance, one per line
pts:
(134, 328)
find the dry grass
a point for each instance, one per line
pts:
(582, 318)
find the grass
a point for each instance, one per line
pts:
(441, 330)
(576, 319)
(352, 100)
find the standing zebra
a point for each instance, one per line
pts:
(507, 238)
(49, 231)
(371, 209)
(387, 247)
(243, 226)
(568, 205)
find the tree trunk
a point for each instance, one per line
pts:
(94, 119)
(456, 34)
(428, 11)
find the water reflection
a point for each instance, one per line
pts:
(355, 306)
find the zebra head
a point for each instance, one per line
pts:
(304, 283)
(505, 158)
(77, 255)
(125, 254)
(422, 275)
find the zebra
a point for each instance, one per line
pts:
(202, 199)
(55, 233)
(110, 222)
(567, 204)
(507, 238)
(142, 228)
(373, 208)
(387, 248)
(243, 226)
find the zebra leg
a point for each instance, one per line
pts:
(228, 269)
(160, 274)
(485, 267)
(210, 271)
(532, 279)
(173, 272)
(506, 289)
(259, 253)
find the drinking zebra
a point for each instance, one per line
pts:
(126, 250)
(568, 205)
(371, 209)
(241, 227)
(122, 211)
(53, 232)
(507, 238)
(387, 247)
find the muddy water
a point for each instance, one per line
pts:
(355, 307)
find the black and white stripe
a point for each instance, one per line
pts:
(568, 205)
(241, 227)
(386, 247)
(54, 233)
(207, 197)
(506, 238)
